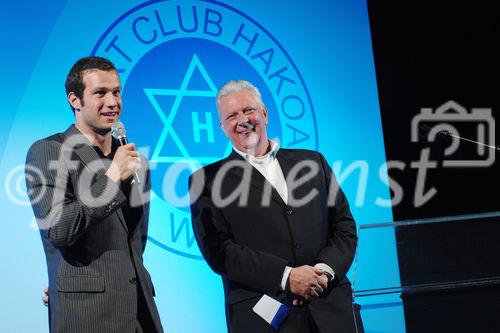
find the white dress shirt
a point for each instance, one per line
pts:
(270, 168)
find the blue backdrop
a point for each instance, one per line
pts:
(312, 61)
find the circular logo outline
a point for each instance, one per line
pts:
(129, 12)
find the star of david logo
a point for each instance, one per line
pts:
(168, 117)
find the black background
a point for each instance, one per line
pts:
(427, 53)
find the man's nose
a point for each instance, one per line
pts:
(242, 119)
(111, 101)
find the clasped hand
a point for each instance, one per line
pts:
(307, 282)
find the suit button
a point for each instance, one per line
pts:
(289, 211)
(298, 245)
(132, 280)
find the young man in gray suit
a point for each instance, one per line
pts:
(274, 222)
(93, 213)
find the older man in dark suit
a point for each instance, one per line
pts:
(274, 222)
(92, 213)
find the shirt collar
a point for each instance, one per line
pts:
(271, 155)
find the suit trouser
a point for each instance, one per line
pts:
(299, 321)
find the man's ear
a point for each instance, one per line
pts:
(221, 124)
(264, 112)
(74, 101)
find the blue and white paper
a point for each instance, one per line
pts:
(271, 310)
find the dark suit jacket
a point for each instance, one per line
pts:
(93, 251)
(250, 245)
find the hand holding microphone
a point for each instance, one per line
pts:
(126, 161)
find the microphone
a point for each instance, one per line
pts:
(426, 129)
(119, 133)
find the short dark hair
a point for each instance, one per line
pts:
(74, 80)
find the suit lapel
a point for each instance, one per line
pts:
(88, 156)
(256, 179)
(287, 160)
(286, 164)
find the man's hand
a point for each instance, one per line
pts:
(307, 281)
(325, 277)
(125, 163)
(45, 297)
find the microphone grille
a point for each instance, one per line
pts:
(118, 130)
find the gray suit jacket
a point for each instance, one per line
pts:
(93, 251)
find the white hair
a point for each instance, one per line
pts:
(236, 86)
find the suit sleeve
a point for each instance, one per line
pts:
(255, 269)
(342, 239)
(146, 199)
(61, 212)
